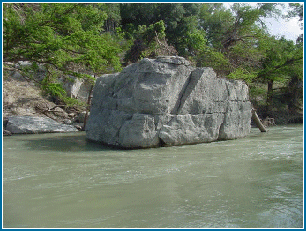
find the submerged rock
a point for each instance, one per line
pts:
(35, 124)
(164, 102)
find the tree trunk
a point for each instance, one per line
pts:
(256, 119)
(294, 93)
(270, 96)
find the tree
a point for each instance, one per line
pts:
(215, 19)
(180, 19)
(150, 42)
(233, 36)
(134, 15)
(239, 47)
(283, 63)
(66, 38)
(113, 15)
(296, 10)
(181, 22)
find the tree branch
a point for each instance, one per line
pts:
(275, 68)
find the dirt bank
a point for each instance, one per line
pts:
(23, 98)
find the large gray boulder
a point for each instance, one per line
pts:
(35, 124)
(164, 102)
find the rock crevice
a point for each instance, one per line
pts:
(164, 102)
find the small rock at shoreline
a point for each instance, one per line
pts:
(36, 124)
(6, 133)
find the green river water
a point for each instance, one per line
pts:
(62, 181)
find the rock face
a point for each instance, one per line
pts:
(165, 102)
(35, 124)
(77, 88)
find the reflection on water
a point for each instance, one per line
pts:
(62, 181)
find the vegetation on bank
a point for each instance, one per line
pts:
(89, 39)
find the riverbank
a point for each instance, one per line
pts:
(22, 98)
